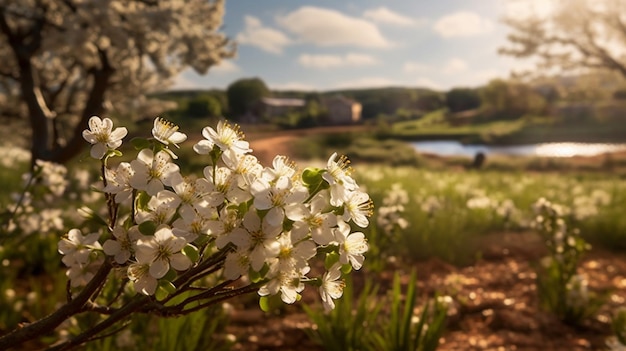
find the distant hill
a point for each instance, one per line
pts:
(375, 101)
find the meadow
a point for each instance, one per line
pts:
(434, 227)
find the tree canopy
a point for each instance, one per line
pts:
(569, 34)
(510, 99)
(462, 99)
(244, 93)
(66, 60)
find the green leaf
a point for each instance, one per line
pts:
(112, 153)
(140, 143)
(167, 286)
(254, 276)
(264, 303)
(313, 180)
(147, 228)
(331, 259)
(160, 293)
(90, 216)
(170, 275)
(312, 175)
(191, 252)
(270, 303)
(142, 200)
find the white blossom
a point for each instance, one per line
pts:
(152, 171)
(287, 282)
(102, 136)
(144, 282)
(352, 246)
(77, 248)
(162, 251)
(226, 137)
(167, 132)
(118, 182)
(283, 199)
(332, 287)
(357, 207)
(338, 175)
(257, 236)
(316, 222)
(123, 246)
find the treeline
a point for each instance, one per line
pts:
(497, 100)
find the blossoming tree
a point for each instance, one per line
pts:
(66, 60)
(171, 244)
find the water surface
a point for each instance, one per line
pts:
(568, 149)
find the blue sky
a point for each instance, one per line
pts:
(328, 44)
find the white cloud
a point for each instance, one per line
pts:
(292, 86)
(427, 83)
(366, 82)
(182, 82)
(326, 27)
(528, 8)
(462, 24)
(413, 66)
(386, 16)
(265, 38)
(454, 66)
(225, 67)
(333, 61)
(487, 75)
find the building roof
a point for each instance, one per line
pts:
(283, 102)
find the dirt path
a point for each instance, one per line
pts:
(266, 145)
(265, 149)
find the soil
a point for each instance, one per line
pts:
(496, 305)
(266, 145)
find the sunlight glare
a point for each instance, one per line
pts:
(575, 149)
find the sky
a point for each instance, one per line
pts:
(327, 44)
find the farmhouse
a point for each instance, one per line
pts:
(342, 110)
(271, 107)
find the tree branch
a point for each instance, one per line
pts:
(118, 315)
(49, 323)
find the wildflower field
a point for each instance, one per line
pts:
(453, 259)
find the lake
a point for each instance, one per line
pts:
(568, 149)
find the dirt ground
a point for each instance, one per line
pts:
(496, 306)
(266, 145)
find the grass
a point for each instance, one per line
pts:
(434, 125)
(526, 130)
(447, 210)
(358, 147)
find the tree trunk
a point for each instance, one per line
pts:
(39, 119)
(43, 147)
(93, 106)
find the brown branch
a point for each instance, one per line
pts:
(222, 297)
(94, 307)
(602, 53)
(185, 286)
(115, 317)
(52, 321)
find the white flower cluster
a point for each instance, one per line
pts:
(46, 185)
(268, 222)
(391, 212)
(12, 155)
(577, 289)
(564, 242)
